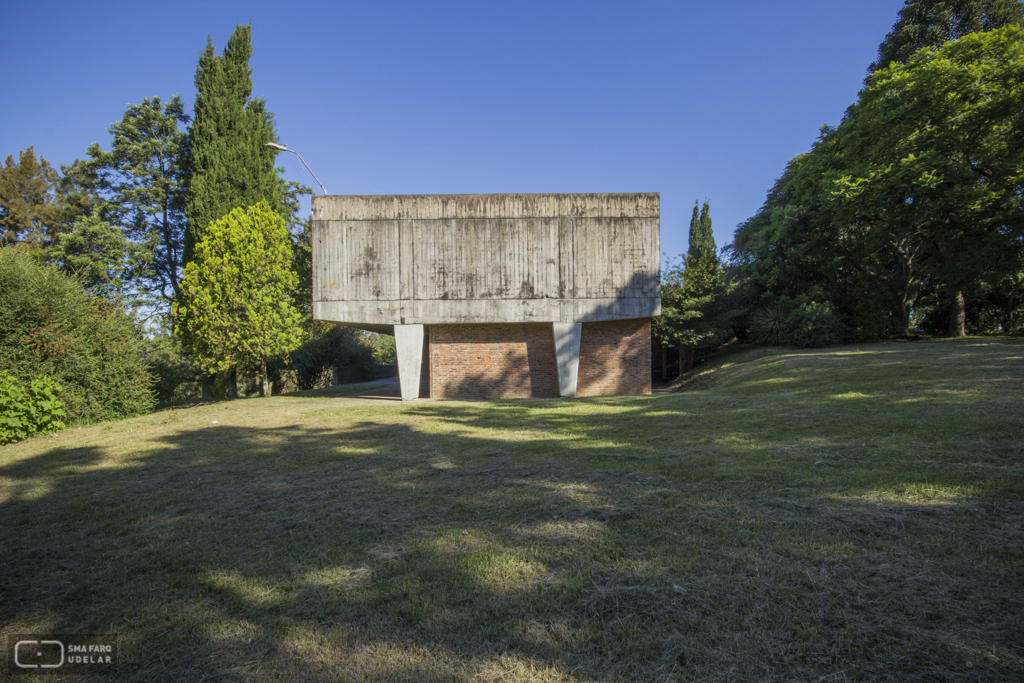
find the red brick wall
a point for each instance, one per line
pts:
(492, 361)
(518, 360)
(615, 358)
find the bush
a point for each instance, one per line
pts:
(311, 363)
(814, 324)
(50, 327)
(770, 326)
(25, 411)
(175, 376)
(384, 350)
(808, 324)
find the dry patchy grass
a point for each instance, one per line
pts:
(839, 515)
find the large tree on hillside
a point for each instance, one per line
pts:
(32, 211)
(691, 290)
(138, 187)
(932, 157)
(236, 307)
(916, 192)
(230, 166)
(930, 23)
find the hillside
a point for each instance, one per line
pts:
(842, 514)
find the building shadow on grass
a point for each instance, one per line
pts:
(513, 541)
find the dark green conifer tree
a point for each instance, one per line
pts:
(229, 164)
(702, 264)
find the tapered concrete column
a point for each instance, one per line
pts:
(567, 354)
(409, 344)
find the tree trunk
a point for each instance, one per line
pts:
(664, 363)
(207, 387)
(957, 315)
(682, 360)
(265, 379)
(905, 316)
(233, 384)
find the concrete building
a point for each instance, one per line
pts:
(497, 296)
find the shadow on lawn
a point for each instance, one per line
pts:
(383, 552)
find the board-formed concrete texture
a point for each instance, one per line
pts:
(381, 262)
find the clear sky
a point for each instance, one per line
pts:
(692, 99)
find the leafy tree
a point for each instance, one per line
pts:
(680, 325)
(230, 166)
(96, 253)
(175, 375)
(336, 346)
(235, 308)
(32, 212)
(138, 186)
(931, 157)
(691, 317)
(917, 191)
(930, 23)
(384, 350)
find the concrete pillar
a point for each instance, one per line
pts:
(567, 355)
(409, 344)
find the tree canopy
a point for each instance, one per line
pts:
(139, 187)
(32, 211)
(930, 23)
(919, 186)
(229, 163)
(236, 308)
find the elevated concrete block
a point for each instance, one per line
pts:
(458, 259)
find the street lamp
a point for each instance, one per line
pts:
(282, 148)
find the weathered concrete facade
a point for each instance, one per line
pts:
(395, 263)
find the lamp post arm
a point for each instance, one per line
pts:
(283, 148)
(310, 171)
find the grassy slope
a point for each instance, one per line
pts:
(847, 514)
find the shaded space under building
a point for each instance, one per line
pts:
(497, 296)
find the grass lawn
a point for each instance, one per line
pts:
(847, 514)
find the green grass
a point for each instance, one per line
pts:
(836, 515)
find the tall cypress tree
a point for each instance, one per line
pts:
(702, 266)
(706, 234)
(229, 164)
(694, 237)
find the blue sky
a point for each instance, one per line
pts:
(695, 100)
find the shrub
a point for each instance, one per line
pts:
(384, 350)
(814, 324)
(770, 325)
(50, 327)
(175, 375)
(24, 411)
(341, 346)
(808, 324)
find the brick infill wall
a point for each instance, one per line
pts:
(514, 360)
(517, 360)
(615, 358)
